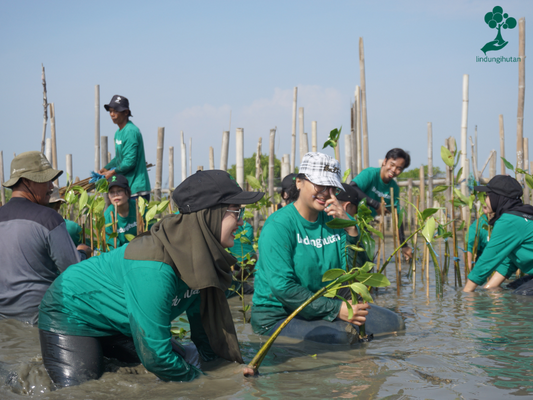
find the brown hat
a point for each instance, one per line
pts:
(55, 196)
(33, 166)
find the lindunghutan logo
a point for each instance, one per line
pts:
(497, 19)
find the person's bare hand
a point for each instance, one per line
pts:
(360, 311)
(109, 174)
(335, 210)
(385, 209)
(407, 253)
(248, 371)
(86, 249)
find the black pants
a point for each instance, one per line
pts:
(72, 360)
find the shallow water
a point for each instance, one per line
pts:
(471, 346)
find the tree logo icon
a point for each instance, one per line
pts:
(497, 19)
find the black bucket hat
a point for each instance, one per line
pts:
(118, 103)
(206, 189)
(502, 185)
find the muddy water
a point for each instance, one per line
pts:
(459, 346)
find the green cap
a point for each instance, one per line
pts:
(34, 166)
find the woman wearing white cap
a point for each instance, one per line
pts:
(296, 247)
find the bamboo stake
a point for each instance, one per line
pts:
(190, 156)
(355, 154)
(301, 130)
(409, 206)
(54, 140)
(91, 231)
(477, 177)
(363, 100)
(271, 159)
(526, 167)
(2, 189)
(103, 150)
(521, 95)
(430, 164)
(360, 151)
(492, 168)
(422, 189)
(293, 142)
(502, 145)
(240, 157)
(314, 146)
(398, 236)
(48, 150)
(348, 154)
(448, 192)
(285, 165)
(224, 151)
(69, 169)
(382, 223)
(159, 163)
(170, 169)
(184, 157)
(97, 128)
(306, 143)
(45, 107)
(114, 219)
(211, 158)
(258, 168)
(475, 152)
(138, 217)
(394, 223)
(464, 125)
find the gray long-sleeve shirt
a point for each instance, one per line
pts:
(34, 248)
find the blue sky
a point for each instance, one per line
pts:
(186, 65)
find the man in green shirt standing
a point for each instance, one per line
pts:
(129, 149)
(376, 183)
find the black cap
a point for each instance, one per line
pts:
(118, 180)
(206, 189)
(503, 185)
(350, 194)
(287, 182)
(118, 103)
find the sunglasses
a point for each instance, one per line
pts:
(324, 189)
(240, 213)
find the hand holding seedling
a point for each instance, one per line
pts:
(360, 311)
(335, 210)
(385, 209)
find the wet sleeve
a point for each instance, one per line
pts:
(61, 248)
(503, 242)
(362, 195)
(198, 335)
(149, 295)
(109, 229)
(129, 155)
(472, 236)
(284, 283)
(111, 164)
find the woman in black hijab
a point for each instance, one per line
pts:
(511, 243)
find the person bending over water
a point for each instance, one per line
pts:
(121, 304)
(296, 248)
(511, 242)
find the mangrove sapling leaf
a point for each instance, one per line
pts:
(429, 229)
(362, 291)
(346, 175)
(333, 291)
(150, 214)
(440, 188)
(348, 305)
(428, 212)
(369, 244)
(102, 186)
(446, 156)
(373, 279)
(83, 200)
(459, 174)
(162, 206)
(374, 231)
(367, 267)
(333, 138)
(129, 237)
(142, 205)
(332, 274)
(70, 197)
(508, 165)
(529, 181)
(254, 183)
(355, 248)
(339, 223)
(401, 213)
(113, 235)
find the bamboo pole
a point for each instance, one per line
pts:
(48, 150)
(355, 154)
(224, 151)
(184, 158)
(271, 159)
(475, 152)
(45, 107)
(159, 163)
(348, 154)
(474, 160)
(2, 189)
(293, 142)
(114, 219)
(382, 226)
(301, 134)
(258, 168)
(492, 167)
(190, 156)
(306, 143)
(394, 223)
(409, 206)
(422, 189)
(240, 156)
(70, 176)
(363, 100)
(170, 170)
(526, 167)
(97, 128)
(211, 158)
(338, 152)
(521, 95)
(138, 217)
(314, 145)
(502, 145)
(430, 164)
(464, 126)
(361, 153)
(53, 135)
(285, 166)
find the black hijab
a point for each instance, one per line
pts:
(502, 204)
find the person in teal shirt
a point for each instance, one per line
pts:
(121, 304)
(376, 183)
(478, 229)
(296, 248)
(129, 160)
(511, 242)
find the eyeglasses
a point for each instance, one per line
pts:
(240, 213)
(324, 189)
(119, 192)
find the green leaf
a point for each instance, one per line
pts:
(254, 183)
(150, 214)
(245, 240)
(429, 230)
(129, 237)
(355, 248)
(461, 226)
(373, 279)
(142, 204)
(369, 244)
(181, 319)
(162, 206)
(113, 235)
(459, 174)
(346, 175)
(70, 197)
(446, 156)
(508, 165)
(98, 205)
(332, 274)
(362, 291)
(440, 188)
(461, 196)
(102, 186)
(83, 200)
(367, 267)
(375, 231)
(428, 212)
(339, 223)
(529, 181)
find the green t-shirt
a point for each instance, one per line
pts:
(129, 158)
(74, 230)
(108, 295)
(369, 181)
(125, 226)
(510, 248)
(293, 255)
(240, 249)
(482, 234)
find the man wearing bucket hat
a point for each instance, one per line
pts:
(35, 245)
(510, 246)
(129, 160)
(296, 248)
